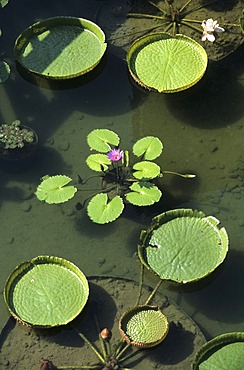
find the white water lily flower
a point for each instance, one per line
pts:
(209, 28)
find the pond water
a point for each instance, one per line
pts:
(202, 132)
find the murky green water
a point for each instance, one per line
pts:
(202, 131)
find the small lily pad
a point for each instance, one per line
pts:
(54, 189)
(46, 291)
(144, 326)
(101, 210)
(146, 170)
(183, 245)
(101, 139)
(166, 63)
(143, 194)
(98, 162)
(60, 47)
(149, 147)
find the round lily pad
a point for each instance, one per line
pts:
(166, 63)
(183, 245)
(60, 47)
(225, 352)
(55, 189)
(144, 326)
(46, 291)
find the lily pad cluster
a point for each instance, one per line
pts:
(121, 183)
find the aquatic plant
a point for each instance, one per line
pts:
(4, 67)
(14, 135)
(174, 19)
(121, 181)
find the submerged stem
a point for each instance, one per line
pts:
(140, 284)
(144, 15)
(153, 292)
(95, 350)
(185, 5)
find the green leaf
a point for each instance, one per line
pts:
(4, 71)
(98, 162)
(143, 194)
(242, 21)
(150, 147)
(146, 170)
(144, 326)
(60, 47)
(101, 210)
(46, 291)
(184, 248)
(225, 352)
(53, 189)
(100, 140)
(166, 63)
(3, 3)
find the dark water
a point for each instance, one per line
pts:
(202, 131)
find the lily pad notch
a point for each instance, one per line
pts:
(166, 63)
(60, 47)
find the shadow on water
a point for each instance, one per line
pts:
(217, 98)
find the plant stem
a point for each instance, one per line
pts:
(191, 26)
(143, 15)
(134, 33)
(140, 284)
(153, 292)
(191, 20)
(186, 175)
(159, 8)
(120, 352)
(184, 6)
(95, 350)
(80, 367)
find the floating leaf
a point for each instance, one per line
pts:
(225, 352)
(4, 71)
(242, 21)
(150, 147)
(101, 210)
(144, 326)
(166, 63)
(183, 245)
(146, 170)
(143, 194)
(98, 162)
(3, 3)
(53, 189)
(101, 139)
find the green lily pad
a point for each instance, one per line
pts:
(166, 63)
(149, 147)
(143, 194)
(3, 3)
(4, 71)
(144, 326)
(54, 189)
(46, 291)
(101, 139)
(101, 210)
(60, 47)
(225, 352)
(183, 245)
(98, 162)
(146, 170)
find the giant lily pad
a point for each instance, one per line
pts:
(54, 189)
(144, 326)
(225, 352)
(60, 47)
(46, 291)
(166, 63)
(183, 245)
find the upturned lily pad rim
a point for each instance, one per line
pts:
(47, 24)
(172, 215)
(22, 269)
(214, 345)
(135, 310)
(146, 40)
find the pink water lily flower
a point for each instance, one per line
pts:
(115, 155)
(209, 28)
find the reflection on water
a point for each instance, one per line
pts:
(202, 132)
